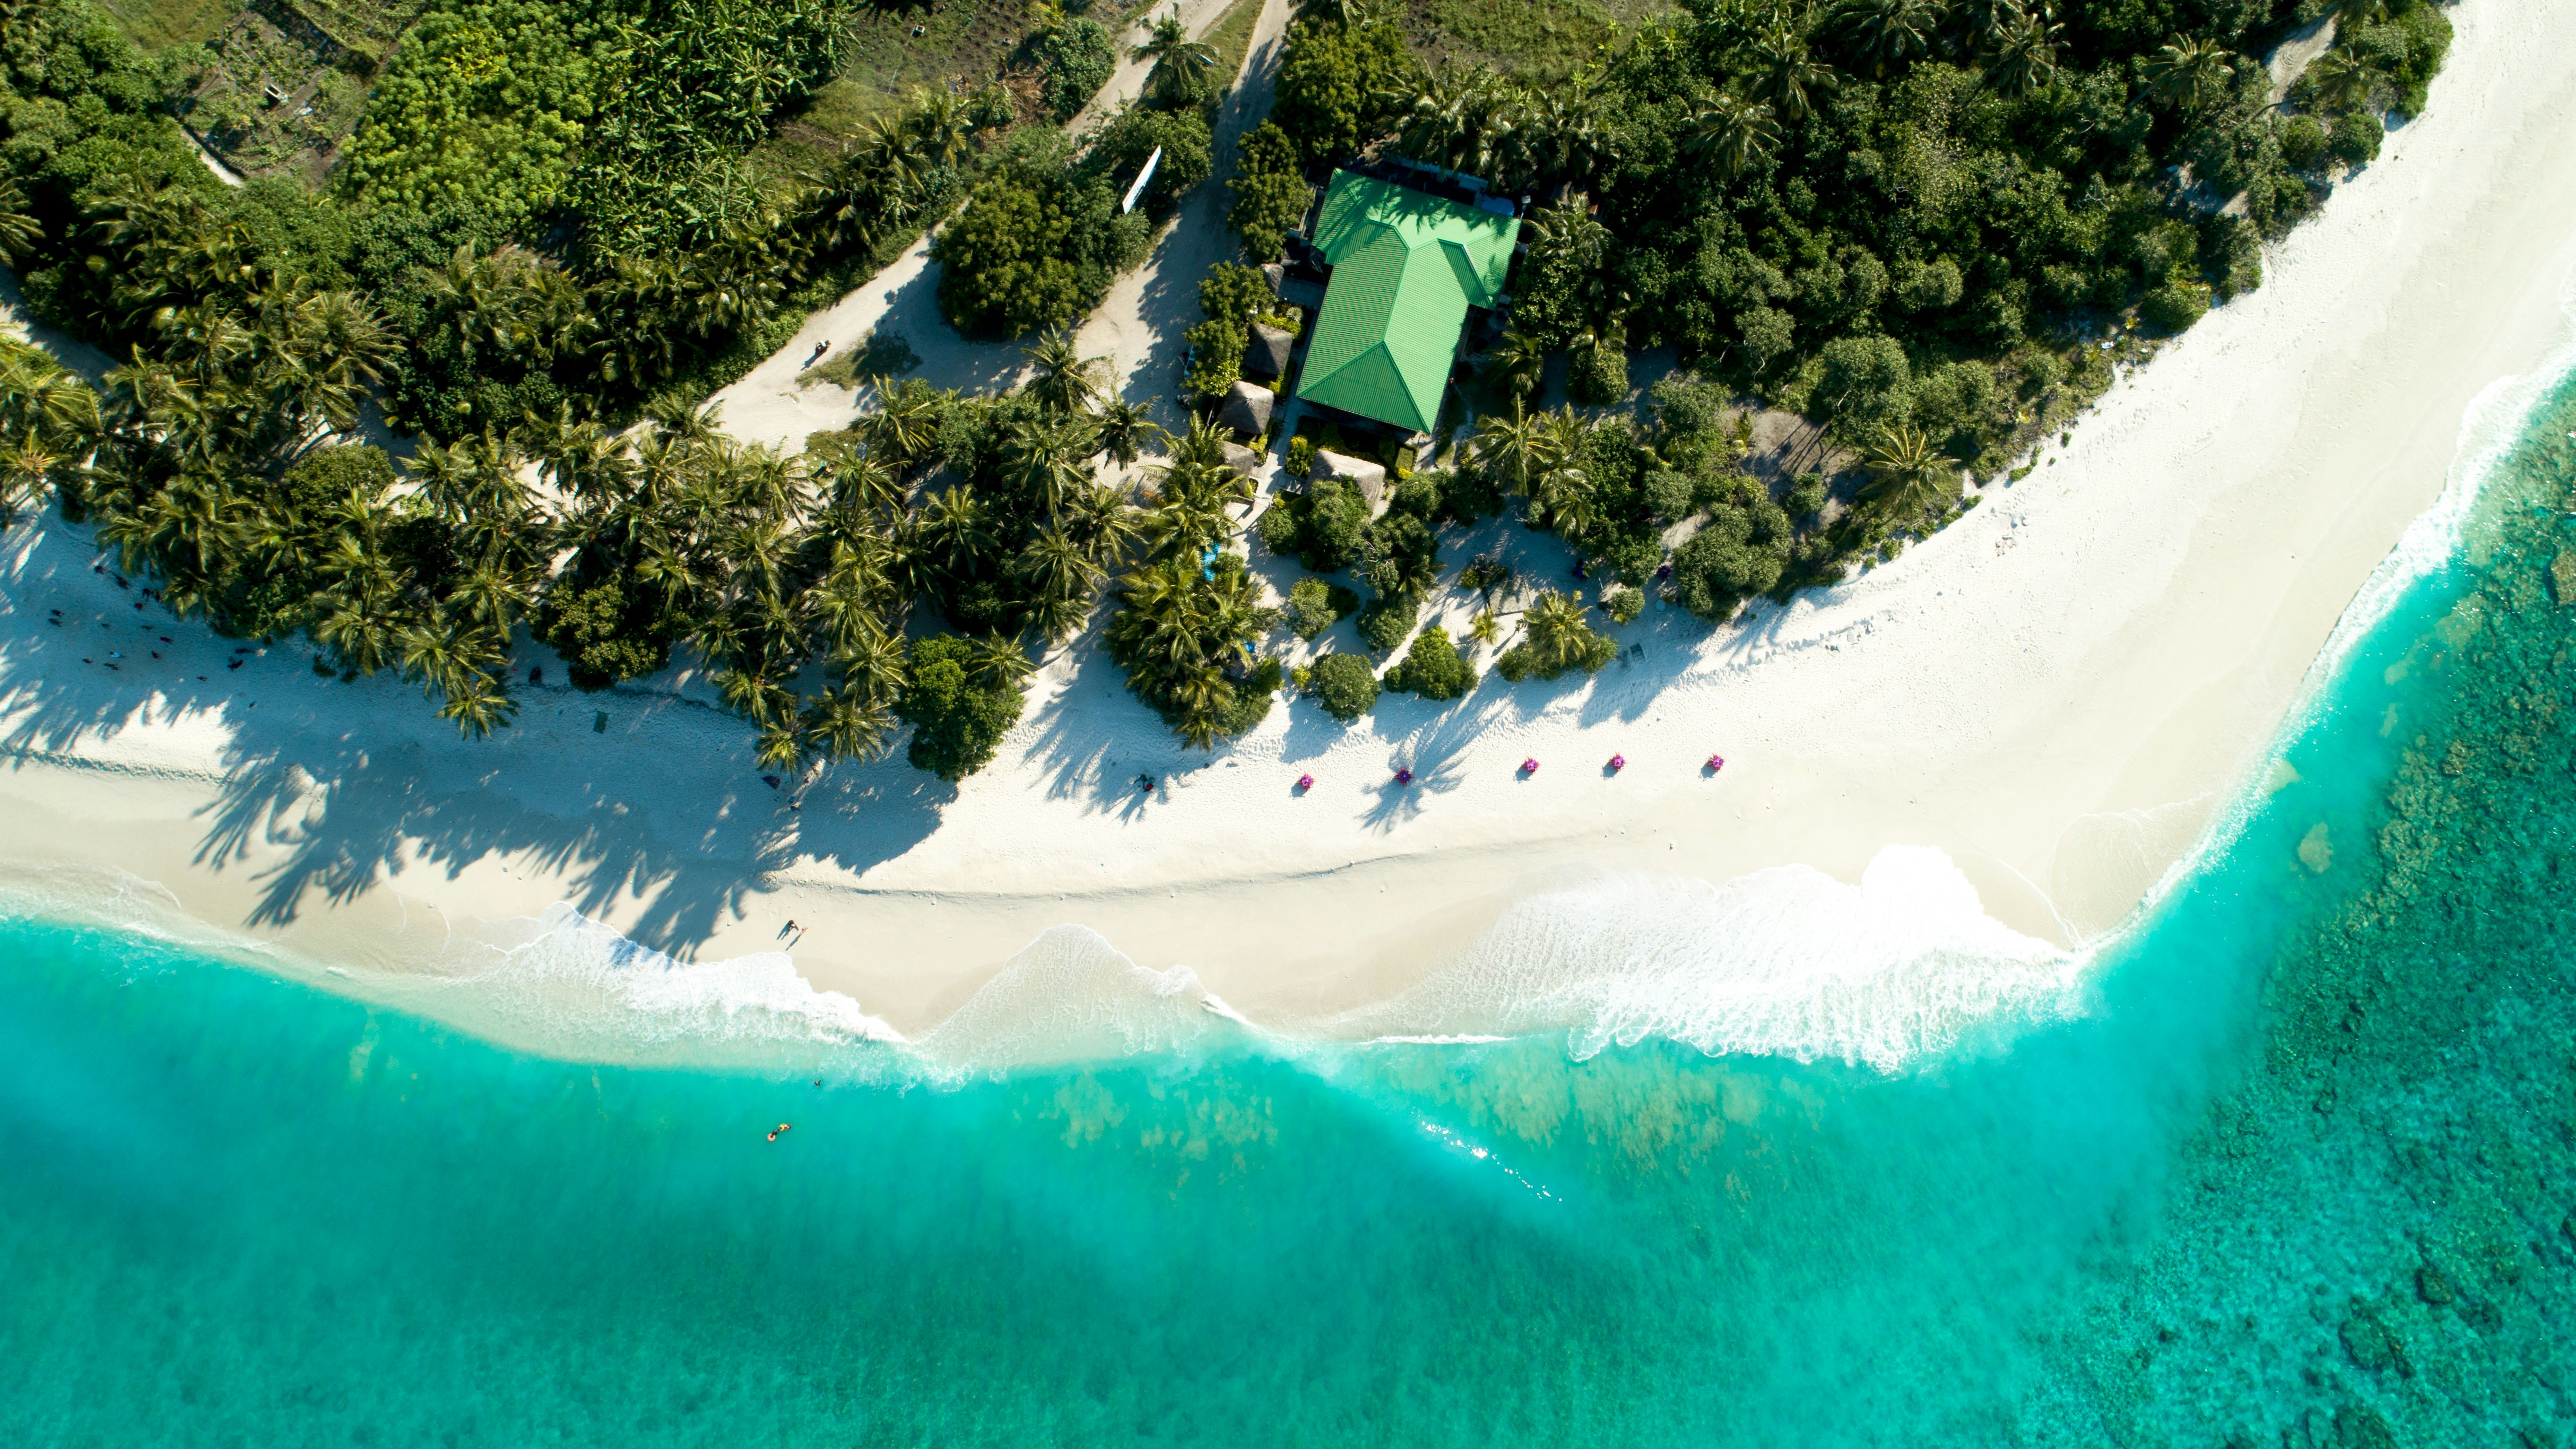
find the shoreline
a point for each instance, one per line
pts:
(2059, 692)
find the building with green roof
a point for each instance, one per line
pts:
(1407, 266)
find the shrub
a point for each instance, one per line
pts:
(1344, 685)
(1599, 376)
(1301, 455)
(1739, 553)
(1270, 192)
(1315, 606)
(957, 723)
(1806, 496)
(1216, 356)
(1036, 246)
(2175, 305)
(1623, 603)
(2354, 138)
(1386, 619)
(1077, 58)
(1234, 292)
(1864, 385)
(604, 636)
(1433, 668)
(1124, 144)
(1322, 527)
(2303, 143)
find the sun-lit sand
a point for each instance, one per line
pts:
(2058, 692)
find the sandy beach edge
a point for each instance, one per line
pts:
(2059, 693)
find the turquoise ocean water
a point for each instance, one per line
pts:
(2293, 1163)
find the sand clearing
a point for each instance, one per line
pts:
(2058, 692)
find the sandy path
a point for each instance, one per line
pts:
(1138, 324)
(2057, 692)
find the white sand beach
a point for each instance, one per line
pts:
(2058, 693)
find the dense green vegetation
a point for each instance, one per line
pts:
(1043, 236)
(1911, 220)
(1905, 218)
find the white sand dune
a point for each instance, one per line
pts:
(2058, 693)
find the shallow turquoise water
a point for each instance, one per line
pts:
(2297, 1169)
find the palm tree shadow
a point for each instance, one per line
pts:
(343, 789)
(1437, 751)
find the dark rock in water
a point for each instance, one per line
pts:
(2368, 1343)
(2434, 1287)
(2358, 1426)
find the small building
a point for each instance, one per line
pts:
(1407, 266)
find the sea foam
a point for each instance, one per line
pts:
(1784, 962)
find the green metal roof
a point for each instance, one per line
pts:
(1406, 267)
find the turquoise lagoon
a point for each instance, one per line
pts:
(2290, 1162)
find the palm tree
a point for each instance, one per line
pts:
(1908, 475)
(845, 722)
(1061, 378)
(904, 429)
(2190, 74)
(2342, 80)
(1339, 13)
(2351, 13)
(478, 705)
(1125, 429)
(1516, 363)
(1511, 450)
(1182, 66)
(1732, 134)
(19, 231)
(995, 663)
(1785, 75)
(1890, 32)
(1559, 635)
(2025, 56)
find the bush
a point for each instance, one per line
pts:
(2355, 137)
(1739, 553)
(1315, 606)
(1623, 603)
(1806, 496)
(1344, 685)
(1123, 146)
(1077, 58)
(1216, 356)
(1301, 455)
(2175, 305)
(957, 723)
(1322, 527)
(1386, 619)
(1599, 376)
(1036, 246)
(1270, 192)
(482, 105)
(604, 636)
(2303, 143)
(1433, 668)
(1235, 292)
(1865, 384)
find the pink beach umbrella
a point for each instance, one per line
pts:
(1530, 765)
(1305, 782)
(1618, 763)
(1716, 763)
(1404, 777)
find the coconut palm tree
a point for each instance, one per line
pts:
(2025, 55)
(845, 722)
(2342, 80)
(1511, 450)
(19, 230)
(1125, 429)
(1785, 75)
(1890, 32)
(1516, 363)
(2192, 75)
(1908, 475)
(1183, 67)
(1060, 377)
(1732, 134)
